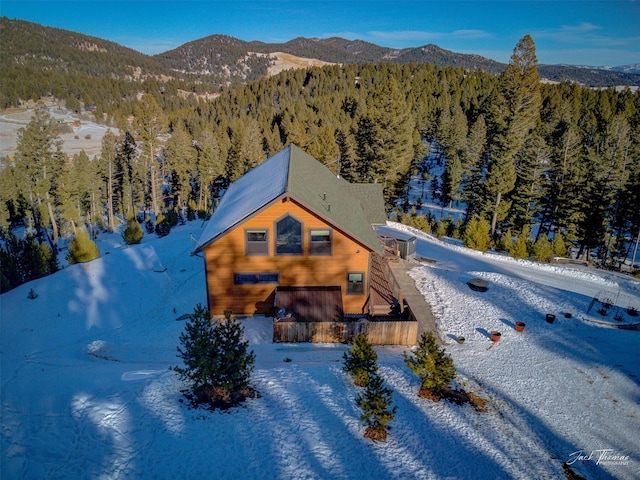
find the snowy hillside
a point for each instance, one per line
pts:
(87, 392)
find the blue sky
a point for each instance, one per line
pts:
(578, 32)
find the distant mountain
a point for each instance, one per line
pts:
(232, 54)
(44, 48)
(235, 55)
(220, 59)
(633, 68)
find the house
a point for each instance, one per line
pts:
(290, 239)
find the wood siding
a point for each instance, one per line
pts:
(377, 332)
(226, 256)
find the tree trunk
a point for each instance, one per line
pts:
(635, 250)
(54, 225)
(494, 218)
(154, 199)
(110, 222)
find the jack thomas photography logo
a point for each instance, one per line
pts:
(604, 456)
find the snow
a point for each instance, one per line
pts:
(247, 194)
(86, 136)
(87, 392)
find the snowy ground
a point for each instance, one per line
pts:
(86, 135)
(87, 392)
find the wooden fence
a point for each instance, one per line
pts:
(385, 332)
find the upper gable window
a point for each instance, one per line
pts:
(319, 241)
(256, 241)
(288, 236)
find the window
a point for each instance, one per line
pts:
(319, 242)
(355, 283)
(256, 241)
(254, 278)
(288, 236)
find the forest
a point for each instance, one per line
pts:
(526, 160)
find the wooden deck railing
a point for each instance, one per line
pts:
(383, 332)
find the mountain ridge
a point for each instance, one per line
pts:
(227, 60)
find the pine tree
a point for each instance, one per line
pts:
(531, 164)
(542, 249)
(82, 249)
(375, 403)
(384, 138)
(432, 365)
(39, 161)
(473, 165)
(127, 175)
(520, 247)
(558, 246)
(361, 360)
(516, 112)
(23, 260)
(163, 226)
(209, 166)
(442, 226)
(454, 146)
(476, 234)
(180, 159)
(132, 234)
(150, 122)
(217, 362)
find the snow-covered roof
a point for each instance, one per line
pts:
(293, 172)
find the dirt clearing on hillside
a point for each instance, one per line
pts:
(86, 135)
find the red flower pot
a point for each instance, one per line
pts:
(495, 336)
(520, 326)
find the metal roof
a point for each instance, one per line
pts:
(294, 173)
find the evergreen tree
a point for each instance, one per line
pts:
(324, 148)
(473, 165)
(162, 226)
(516, 112)
(107, 169)
(530, 164)
(128, 174)
(38, 162)
(476, 234)
(23, 260)
(132, 233)
(180, 159)
(432, 366)
(385, 138)
(347, 155)
(453, 141)
(442, 226)
(558, 246)
(361, 360)
(246, 150)
(217, 361)
(209, 166)
(150, 122)
(82, 249)
(520, 247)
(375, 403)
(542, 249)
